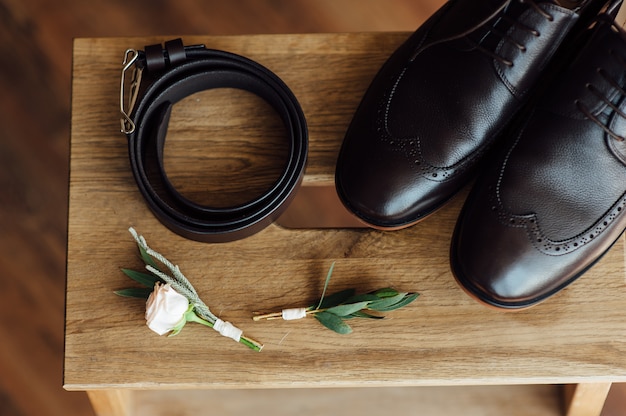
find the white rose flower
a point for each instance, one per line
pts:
(165, 309)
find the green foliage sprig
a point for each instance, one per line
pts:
(334, 310)
(161, 270)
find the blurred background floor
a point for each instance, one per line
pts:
(35, 89)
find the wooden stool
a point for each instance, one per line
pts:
(444, 339)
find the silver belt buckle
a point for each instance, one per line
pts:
(130, 58)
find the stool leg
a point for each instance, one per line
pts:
(111, 402)
(585, 399)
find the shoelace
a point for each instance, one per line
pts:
(501, 13)
(596, 91)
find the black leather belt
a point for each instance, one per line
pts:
(164, 76)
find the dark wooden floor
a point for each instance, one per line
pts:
(35, 87)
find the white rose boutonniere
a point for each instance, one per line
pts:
(165, 309)
(172, 301)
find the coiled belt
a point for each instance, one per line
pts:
(163, 76)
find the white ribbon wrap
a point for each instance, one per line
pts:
(228, 330)
(293, 314)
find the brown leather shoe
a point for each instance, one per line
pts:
(442, 98)
(555, 201)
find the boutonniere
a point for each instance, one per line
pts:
(334, 310)
(171, 300)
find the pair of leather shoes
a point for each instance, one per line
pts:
(555, 200)
(528, 75)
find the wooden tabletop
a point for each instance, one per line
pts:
(443, 338)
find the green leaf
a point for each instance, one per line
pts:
(333, 322)
(142, 293)
(399, 301)
(147, 258)
(385, 292)
(386, 302)
(366, 297)
(347, 309)
(146, 279)
(328, 275)
(336, 298)
(408, 298)
(361, 314)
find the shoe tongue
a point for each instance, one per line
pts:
(601, 81)
(617, 120)
(618, 148)
(570, 4)
(582, 80)
(466, 16)
(618, 126)
(490, 35)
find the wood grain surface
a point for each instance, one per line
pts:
(35, 77)
(444, 338)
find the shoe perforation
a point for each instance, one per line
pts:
(411, 147)
(541, 242)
